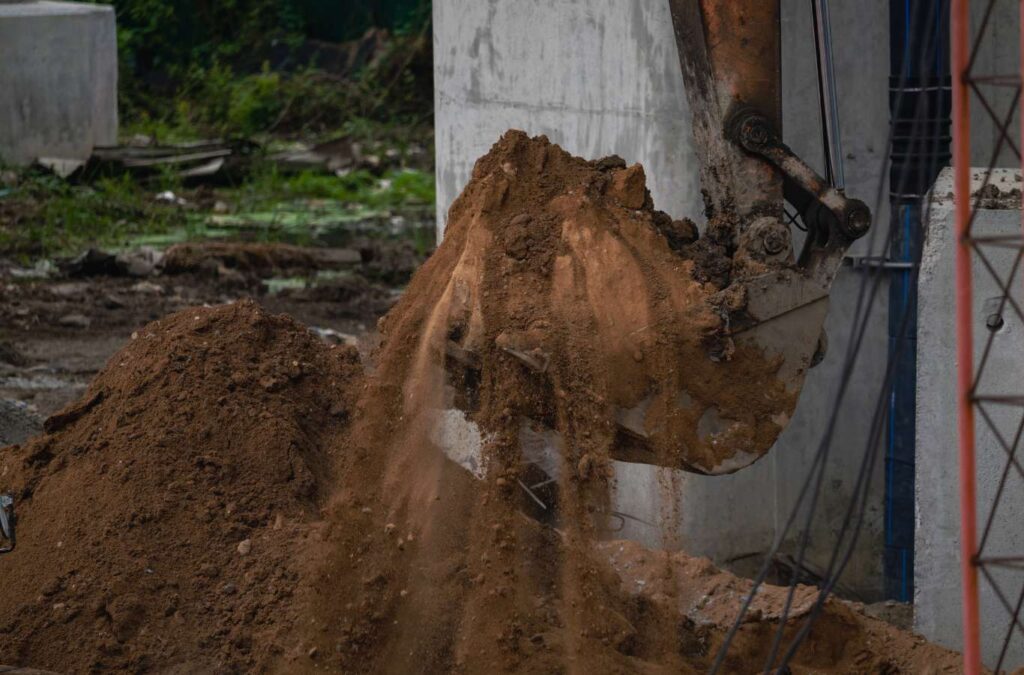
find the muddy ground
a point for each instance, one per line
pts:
(58, 329)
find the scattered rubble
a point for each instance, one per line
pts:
(18, 422)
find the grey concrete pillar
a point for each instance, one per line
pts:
(58, 80)
(937, 541)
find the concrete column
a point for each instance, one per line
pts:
(937, 553)
(601, 77)
(598, 77)
(58, 80)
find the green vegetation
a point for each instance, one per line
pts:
(272, 71)
(395, 189)
(44, 216)
(249, 67)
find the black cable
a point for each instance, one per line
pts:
(862, 488)
(873, 438)
(858, 503)
(818, 474)
(820, 458)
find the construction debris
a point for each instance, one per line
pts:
(196, 161)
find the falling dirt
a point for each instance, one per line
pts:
(428, 569)
(233, 495)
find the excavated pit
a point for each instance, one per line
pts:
(233, 495)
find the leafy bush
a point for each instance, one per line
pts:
(245, 66)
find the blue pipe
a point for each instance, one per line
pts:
(919, 61)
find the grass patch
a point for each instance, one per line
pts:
(395, 189)
(44, 216)
(313, 207)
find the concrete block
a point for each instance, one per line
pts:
(59, 80)
(937, 602)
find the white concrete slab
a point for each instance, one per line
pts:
(58, 80)
(937, 553)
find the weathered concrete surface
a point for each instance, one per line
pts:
(937, 554)
(998, 53)
(58, 80)
(597, 76)
(601, 77)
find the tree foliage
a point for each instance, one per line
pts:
(246, 66)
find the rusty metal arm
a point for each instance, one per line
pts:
(731, 66)
(729, 52)
(834, 220)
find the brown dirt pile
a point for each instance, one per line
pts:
(843, 640)
(427, 569)
(164, 515)
(232, 495)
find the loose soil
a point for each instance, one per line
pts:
(162, 514)
(232, 494)
(427, 569)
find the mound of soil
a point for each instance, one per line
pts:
(163, 516)
(232, 495)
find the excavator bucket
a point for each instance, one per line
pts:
(729, 54)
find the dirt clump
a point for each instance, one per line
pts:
(163, 516)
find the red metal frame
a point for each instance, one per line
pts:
(960, 37)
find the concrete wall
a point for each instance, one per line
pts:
(601, 77)
(937, 560)
(596, 76)
(58, 80)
